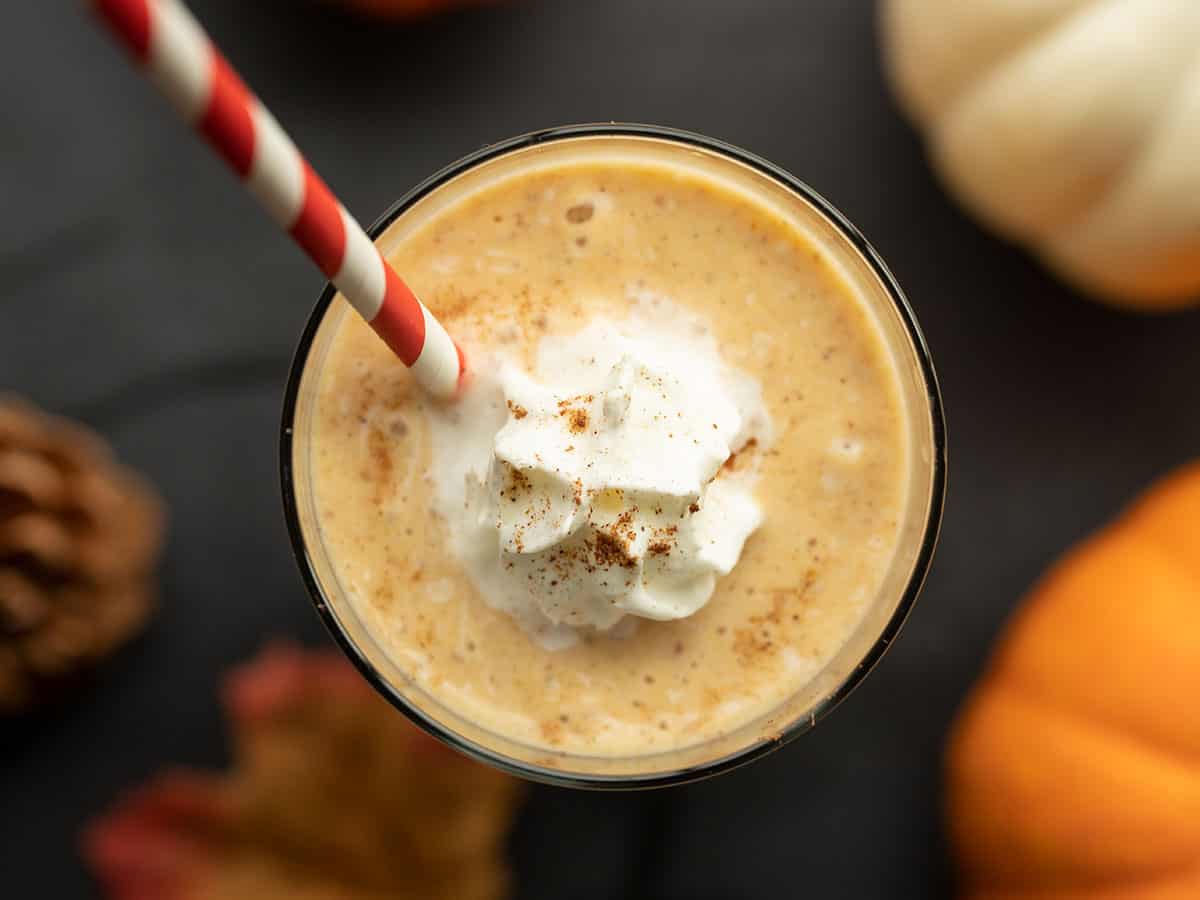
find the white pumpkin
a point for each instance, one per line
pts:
(1070, 126)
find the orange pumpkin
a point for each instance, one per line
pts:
(1073, 772)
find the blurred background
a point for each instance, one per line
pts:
(146, 296)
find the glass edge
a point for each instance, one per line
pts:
(921, 564)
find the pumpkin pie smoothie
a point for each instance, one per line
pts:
(672, 489)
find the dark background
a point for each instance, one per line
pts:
(143, 293)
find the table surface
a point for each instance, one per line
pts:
(145, 295)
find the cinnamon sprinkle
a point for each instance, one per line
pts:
(610, 550)
(578, 420)
(732, 462)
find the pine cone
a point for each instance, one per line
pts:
(79, 536)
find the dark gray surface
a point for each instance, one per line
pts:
(144, 294)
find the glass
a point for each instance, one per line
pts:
(864, 271)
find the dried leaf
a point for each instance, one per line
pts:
(333, 794)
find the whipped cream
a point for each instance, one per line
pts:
(596, 487)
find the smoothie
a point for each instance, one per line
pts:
(814, 449)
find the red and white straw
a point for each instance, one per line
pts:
(179, 57)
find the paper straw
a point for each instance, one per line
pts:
(178, 56)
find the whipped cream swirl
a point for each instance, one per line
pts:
(596, 487)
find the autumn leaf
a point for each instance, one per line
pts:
(333, 794)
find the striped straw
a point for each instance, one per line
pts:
(179, 58)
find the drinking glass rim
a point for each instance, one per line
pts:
(921, 563)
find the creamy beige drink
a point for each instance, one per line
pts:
(815, 509)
